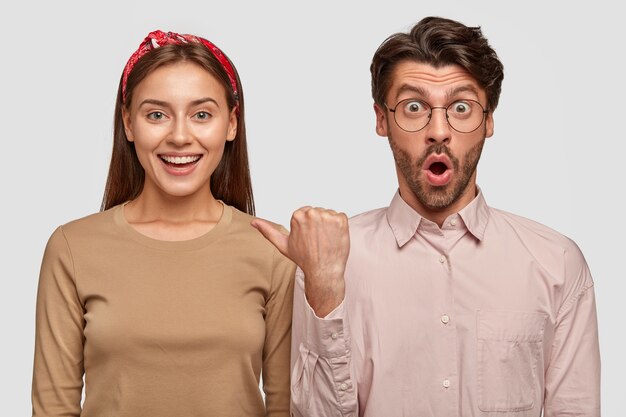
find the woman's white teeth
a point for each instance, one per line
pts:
(180, 159)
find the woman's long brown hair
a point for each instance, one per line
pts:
(231, 180)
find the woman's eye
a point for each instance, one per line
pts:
(156, 115)
(202, 115)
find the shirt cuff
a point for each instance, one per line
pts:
(326, 336)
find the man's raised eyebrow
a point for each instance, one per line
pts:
(462, 89)
(412, 88)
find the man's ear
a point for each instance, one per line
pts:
(232, 125)
(489, 125)
(381, 120)
(127, 129)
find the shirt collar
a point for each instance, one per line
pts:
(476, 215)
(404, 220)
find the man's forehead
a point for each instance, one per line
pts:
(426, 77)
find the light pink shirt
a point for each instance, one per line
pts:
(490, 315)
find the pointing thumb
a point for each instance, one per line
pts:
(276, 237)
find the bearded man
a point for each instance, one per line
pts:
(438, 305)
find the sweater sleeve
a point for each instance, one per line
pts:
(277, 346)
(58, 365)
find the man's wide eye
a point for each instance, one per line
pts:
(460, 107)
(414, 106)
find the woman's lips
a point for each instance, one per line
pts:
(438, 170)
(177, 164)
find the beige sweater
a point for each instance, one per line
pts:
(172, 329)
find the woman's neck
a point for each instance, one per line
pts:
(173, 218)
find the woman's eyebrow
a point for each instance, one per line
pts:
(155, 102)
(204, 100)
(162, 103)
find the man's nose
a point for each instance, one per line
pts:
(438, 129)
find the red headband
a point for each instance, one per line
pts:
(158, 38)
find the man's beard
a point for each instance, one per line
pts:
(437, 197)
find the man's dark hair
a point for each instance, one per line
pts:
(438, 42)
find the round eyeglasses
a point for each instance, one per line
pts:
(464, 116)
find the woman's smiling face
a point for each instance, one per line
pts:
(179, 122)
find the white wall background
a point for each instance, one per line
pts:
(556, 156)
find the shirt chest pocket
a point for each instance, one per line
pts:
(509, 346)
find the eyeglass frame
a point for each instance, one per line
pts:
(430, 115)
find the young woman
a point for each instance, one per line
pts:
(167, 302)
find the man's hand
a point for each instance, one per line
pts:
(319, 243)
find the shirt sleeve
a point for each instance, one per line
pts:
(573, 375)
(58, 365)
(322, 384)
(278, 337)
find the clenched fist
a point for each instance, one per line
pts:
(319, 243)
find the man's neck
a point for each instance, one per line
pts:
(439, 215)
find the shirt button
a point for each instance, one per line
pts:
(446, 383)
(343, 386)
(334, 335)
(453, 222)
(445, 319)
(442, 259)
